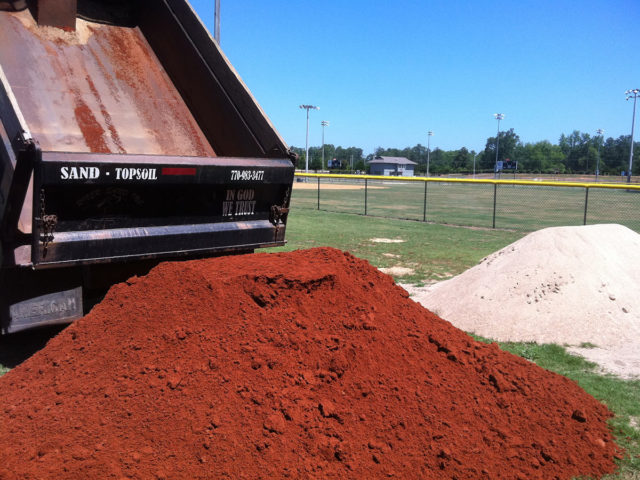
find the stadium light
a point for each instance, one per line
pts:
(306, 157)
(632, 94)
(324, 123)
(429, 135)
(474, 164)
(499, 116)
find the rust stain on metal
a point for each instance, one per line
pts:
(107, 117)
(91, 128)
(99, 89)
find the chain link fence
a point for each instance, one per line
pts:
(514, 205)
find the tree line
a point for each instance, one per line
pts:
(576, 153)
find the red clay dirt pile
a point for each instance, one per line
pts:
(309, 364)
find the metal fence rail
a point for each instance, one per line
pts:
(510, 204)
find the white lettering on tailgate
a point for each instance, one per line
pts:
(79, 173)
(247, 175)
(136, 173)
(239, 202)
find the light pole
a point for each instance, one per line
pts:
(632, 94)
(474, 164)
(306, 148)
(499, 116)
(324, 123)
(599, 132)
(429, 135)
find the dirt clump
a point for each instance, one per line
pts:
(309, 364)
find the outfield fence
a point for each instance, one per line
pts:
(507, 204)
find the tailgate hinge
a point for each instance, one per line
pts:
(278, 213)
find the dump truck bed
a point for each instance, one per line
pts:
(126, 138)
(150, 63)
(98, 89)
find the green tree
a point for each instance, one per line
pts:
(509, 140)
(575, 147)
(540, 157)
(461, 160)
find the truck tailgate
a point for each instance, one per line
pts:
(94, 207)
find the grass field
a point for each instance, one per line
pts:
(432, 251)
(437, 252)
(518, 207)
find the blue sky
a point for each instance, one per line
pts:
(384, 73)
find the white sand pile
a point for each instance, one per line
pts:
(564, 285)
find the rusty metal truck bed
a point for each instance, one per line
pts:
(97, 89)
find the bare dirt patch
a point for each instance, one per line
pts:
(398, 271)
(565, 285)
(386, 240)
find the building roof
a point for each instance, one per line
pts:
(393, 161)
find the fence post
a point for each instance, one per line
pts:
(424, 210)
(365, 197)
(318, 193)
(495, 194)
(586, 203)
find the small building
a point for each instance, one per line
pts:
(392, 166)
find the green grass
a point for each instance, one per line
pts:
(433, 251)
(518, 207)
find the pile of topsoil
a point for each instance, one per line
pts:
(309, 364)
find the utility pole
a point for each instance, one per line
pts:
(216, 22)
